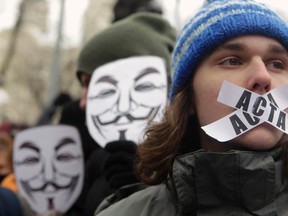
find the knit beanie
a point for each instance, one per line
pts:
(141, 34)
(217, 22)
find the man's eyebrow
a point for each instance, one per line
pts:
(63, 142)
(233, 47)
(30, 145)
(145, 72)
(278, 49)
(108, 79)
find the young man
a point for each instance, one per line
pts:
(221, 147)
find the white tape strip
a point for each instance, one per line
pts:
(252, 110)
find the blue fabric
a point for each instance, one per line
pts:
(9, 203)
(216, 23)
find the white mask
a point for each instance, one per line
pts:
(123, 96)
(49, 166)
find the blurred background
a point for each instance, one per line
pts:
(40, 41)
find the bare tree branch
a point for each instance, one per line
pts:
(12, 43)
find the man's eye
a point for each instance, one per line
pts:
(276, 65)
(231, 62)
(145, 87)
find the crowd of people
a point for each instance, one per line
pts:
(168, 123)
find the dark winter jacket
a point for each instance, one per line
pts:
(238, 183)
(10, 204)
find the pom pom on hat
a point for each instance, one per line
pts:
(216, 23)
(137, 35)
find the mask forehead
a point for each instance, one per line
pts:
(123, 95)
(48, 164)
(47, 137)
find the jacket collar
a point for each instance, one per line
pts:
(228, 182)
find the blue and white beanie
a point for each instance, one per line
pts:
(216, 23)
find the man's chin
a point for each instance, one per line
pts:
(260, 138)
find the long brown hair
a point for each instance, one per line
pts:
(174, 135)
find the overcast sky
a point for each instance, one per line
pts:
(74, 12)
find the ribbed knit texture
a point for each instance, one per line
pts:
(141, 34)
(216, 23)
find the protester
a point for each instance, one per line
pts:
(49, 167)
(147, 39)
(230, 73)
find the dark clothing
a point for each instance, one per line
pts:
(9, 203)
(105, 169)
(109, 170)
(97, 192)
(49, 112)
(73, 115)
(238, 183)
(93, 188)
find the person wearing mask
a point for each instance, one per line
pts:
(124, 74)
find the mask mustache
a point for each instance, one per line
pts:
(53, 184)
(151, 115)
(71, 185)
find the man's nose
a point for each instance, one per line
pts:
(260, 78)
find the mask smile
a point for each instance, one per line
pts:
(118, 119)
(50, 187)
